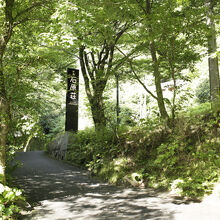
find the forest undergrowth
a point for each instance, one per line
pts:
(184, 159)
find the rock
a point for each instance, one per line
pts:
(57, 148)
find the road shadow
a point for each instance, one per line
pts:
(61, 191)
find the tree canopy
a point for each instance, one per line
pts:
(152, 44)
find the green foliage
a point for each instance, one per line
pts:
(190, 155)
(197, 169)
(203, 91)
(52, 123)
(114, 170)
(90, 147)
(202, 109)
(33, 63)
(9, 200)
(185, 159)
(127, 116)
(100, 153)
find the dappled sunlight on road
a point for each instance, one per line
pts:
(61, 191)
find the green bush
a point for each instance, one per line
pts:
(191, 154)
(203, 91)
(89, 146)
(9, 199)
(196, 168)
(184, 159)
(201, 109)
(127, 116)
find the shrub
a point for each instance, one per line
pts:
(185, 159)
(89, 146)
(9, 199)
(203, 91)
(202, 109)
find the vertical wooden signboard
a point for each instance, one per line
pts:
(72, 99)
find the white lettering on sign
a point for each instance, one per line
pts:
(73, 73)
(73, 95)
(73, 87)
(73, 83)
(73, 80)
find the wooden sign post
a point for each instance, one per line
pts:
(72, 100)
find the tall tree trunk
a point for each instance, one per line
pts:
(95, 95)
(98, 111)
(97, 66)
(5, 36)
(117, 99)
(213, 59)
(157, 76)
(157, 79)
(3, 139)
(4, 127)
(172, 71)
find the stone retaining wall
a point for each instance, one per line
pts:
(57, 148)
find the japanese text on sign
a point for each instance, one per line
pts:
(73, 90)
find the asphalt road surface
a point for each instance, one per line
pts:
(60, 191)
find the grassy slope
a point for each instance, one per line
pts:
(185, 159)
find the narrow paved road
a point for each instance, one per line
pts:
(61, 191)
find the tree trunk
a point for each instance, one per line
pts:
(213, 59)
(117, 99)
(95, 95)
(3, 141)
(28, 142)
(157, 79)
(4, 127)
(5, 36)
(98, 112)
